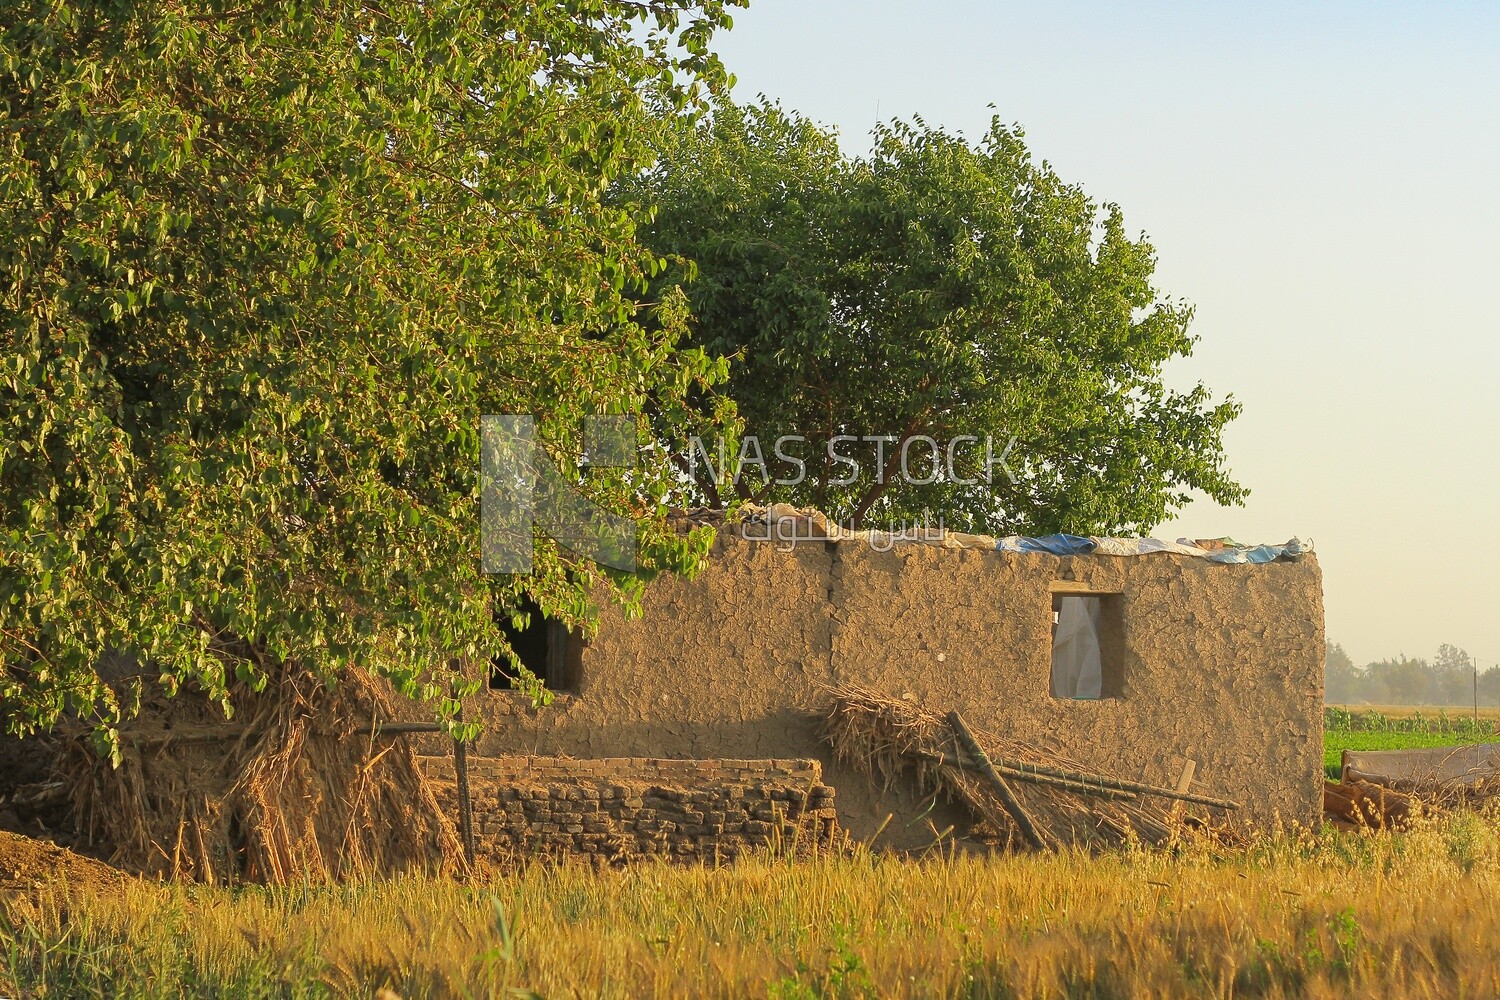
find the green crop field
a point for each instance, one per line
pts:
(1398, 729)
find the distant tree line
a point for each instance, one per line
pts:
(1447, 679)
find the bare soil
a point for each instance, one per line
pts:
(27, 864)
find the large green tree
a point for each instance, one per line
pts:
(264, 266)
(931, 291)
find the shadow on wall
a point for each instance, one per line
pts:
(513, 727)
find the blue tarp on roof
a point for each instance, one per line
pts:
(1219, 550)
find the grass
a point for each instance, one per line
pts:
(1396, 728)
(1415, 914)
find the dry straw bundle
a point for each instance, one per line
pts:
(896, 740)
(297, 789)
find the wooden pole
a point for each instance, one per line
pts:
(1116, 783)
(1081, 781)
(225, 733)
(1007, 797)
(401, 728)
(1077, 787)
(465, 807)
(965, 761)
(461, 768)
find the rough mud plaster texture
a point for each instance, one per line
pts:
(622, 808)
(1220, 663)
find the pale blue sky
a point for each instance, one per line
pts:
(1319, 179)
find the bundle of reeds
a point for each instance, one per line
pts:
(1021, 794)
(298, 788)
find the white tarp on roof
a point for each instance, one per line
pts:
(783, 523)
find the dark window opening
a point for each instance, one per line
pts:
(548, 648)
(1087, 647)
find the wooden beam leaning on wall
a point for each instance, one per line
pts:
(1008, 798)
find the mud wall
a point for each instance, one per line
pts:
(622, 808)
(1221, 664)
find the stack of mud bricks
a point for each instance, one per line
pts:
(627, 807)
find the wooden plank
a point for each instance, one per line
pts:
(1459, 765)
(1077, 588)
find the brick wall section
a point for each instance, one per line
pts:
(628, 807)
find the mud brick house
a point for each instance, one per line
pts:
(1133, 656)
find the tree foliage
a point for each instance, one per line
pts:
(265, 266)
(1341, 678)
(940, 288)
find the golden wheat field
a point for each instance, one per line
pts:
(1403, 915)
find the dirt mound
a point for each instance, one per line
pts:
(26, 864)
